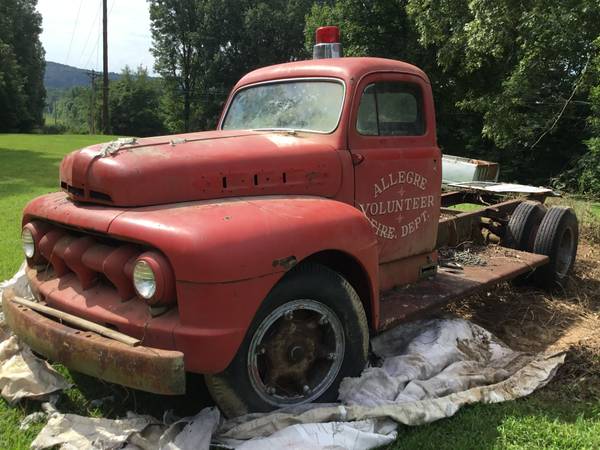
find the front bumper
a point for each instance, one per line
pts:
(144, 368)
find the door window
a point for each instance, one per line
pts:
(391, 109)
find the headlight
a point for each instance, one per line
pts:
(144, 279)
(28, 242)
(153, 279)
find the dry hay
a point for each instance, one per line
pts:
(532, 320)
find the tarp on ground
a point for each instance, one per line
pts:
(22, 374)
(428, 370)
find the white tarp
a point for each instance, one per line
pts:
(503, 188)
(22, 374)
(429, 369)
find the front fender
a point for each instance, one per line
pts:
(227, 256)
(243, 238)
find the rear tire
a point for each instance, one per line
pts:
(557, 238)
(310, 332)
(523, 225)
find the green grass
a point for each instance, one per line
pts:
(536, 422)
(28, 167)
(548, 419)
(466, 207)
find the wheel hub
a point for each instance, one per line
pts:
(296, 353)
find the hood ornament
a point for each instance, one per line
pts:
(112, 147)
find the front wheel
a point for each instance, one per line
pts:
(310, 333)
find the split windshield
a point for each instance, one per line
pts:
(301, 105)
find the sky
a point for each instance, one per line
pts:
(72, 33)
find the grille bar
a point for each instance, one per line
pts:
(90, 260)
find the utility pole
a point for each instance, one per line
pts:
(105, 124)
(93, 75)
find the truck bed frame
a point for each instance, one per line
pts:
(482, 230)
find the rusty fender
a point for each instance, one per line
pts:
(144, 368)
(223, 241)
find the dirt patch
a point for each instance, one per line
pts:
(532, 320)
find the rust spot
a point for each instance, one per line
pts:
(312, 176)
(286, 263)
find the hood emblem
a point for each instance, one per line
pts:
(176, 141)
(110, 148)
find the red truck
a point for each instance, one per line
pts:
(266, 253)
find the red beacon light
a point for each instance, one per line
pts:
(327, 43)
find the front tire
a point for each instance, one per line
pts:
(310, 332)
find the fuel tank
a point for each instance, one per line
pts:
(201, 166)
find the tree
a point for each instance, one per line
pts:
(384, 29)
(21, 66)
(75, 111)
(202, 47)
(502, 71)
(176, 27)
(524, 68)
(135, 104)
(584, 175)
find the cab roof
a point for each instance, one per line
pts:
(344, 68)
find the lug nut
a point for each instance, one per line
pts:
(323, 320)
(306, 389)
(331, 356)
(270, 390)
(261, 351)
(289, 315)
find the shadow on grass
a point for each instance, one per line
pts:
(91, 396)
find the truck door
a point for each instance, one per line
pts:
(397, 162)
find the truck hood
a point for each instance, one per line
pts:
(201, 166)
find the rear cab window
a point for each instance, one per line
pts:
(391, 108)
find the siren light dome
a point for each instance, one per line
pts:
(327, 35)
(327, 43)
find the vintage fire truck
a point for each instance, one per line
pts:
(265, 254)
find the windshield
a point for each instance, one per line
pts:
(309, 105)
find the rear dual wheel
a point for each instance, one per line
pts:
(523, 225)
(557, 238)
(552, 232)
(310, 332)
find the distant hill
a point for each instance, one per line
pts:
(61, 76)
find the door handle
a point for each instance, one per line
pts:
(357, 158)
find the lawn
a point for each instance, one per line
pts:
(565, 414)
(28, 167)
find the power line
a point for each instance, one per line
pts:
(562, 111)
(92, 28)
(73, 32)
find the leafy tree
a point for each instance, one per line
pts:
(202, 47)
(508, 76)
(524, 68)
(384, 29)
(584, 175)
(135, 103)
(21, 66)
(75, 111)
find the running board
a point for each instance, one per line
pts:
(408, 302)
